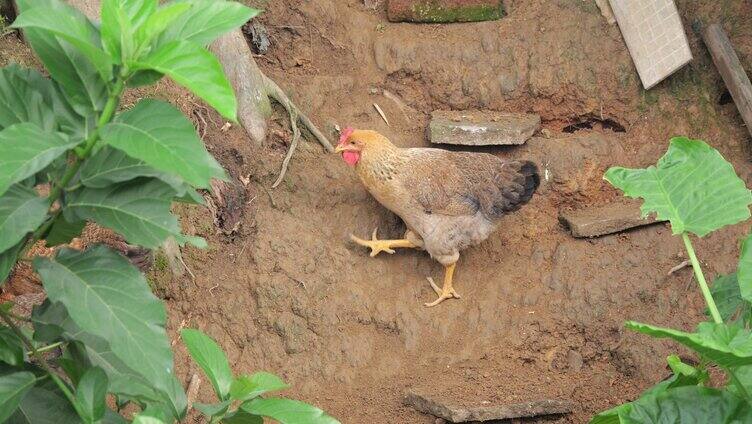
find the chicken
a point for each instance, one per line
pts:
(449, 201)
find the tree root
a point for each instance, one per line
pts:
(276, 93)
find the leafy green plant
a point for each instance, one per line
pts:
(122, 169)
(694, 188)
(240, 398)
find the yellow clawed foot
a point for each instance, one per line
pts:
(377, 246)
(447, 292)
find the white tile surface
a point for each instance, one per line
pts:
(655, 37)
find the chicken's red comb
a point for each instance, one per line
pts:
(345, 134)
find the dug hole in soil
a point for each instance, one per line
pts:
(542, 313)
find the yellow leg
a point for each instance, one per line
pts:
(377, 246)
(447, 292)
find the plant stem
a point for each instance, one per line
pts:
(42, 362)
(49, 347)
(701, 280)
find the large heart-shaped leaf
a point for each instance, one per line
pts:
(27, 149)
(692, 186)
(139, 210)
(109, 298)
(744, 270)
(91, 394)
(13, 388)
(21, 211)
(69, 24)
(690, 405)
(287, 411)
(207, 20)
(728, 299)
(727, 345)
(160, 135)
(247, 387)
(616, 415)
(193, 67)
(210, 357)
(78, 78)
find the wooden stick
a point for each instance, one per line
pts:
(731, 70)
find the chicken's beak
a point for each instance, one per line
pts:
(341, 148)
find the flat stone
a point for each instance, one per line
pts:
(607, 219)
(442, 11)
(460, 414)
(476, 128)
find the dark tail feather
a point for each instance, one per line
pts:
(532, 180)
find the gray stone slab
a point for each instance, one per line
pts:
(480, 128)
(460, 414)
(607, 219)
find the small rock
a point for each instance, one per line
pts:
(574, 359)
(442, 11)
(459, 414)
(373, 4)
(475, 128)
(600, 220)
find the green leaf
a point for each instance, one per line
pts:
(117, 31)
(612, 416)
(139, 210)
(207, 20)
(62, 231)
(11, 348)
(689, 405)
(212, 409)
(21, 211)
(242, 417)
(159, 21)
(78, 78)
(744, 375)
(727, 345)
(160, 135)
(91, 394)
(27, 149)
(247, 387)
(69, 24)
(692, 186)
(13, 387)
(146, 419)
(109, 298)
(744, 270)
(210, 357)
(44, 403)
(51, 322)
(20, 101)
(287, 411)
(193, 67)
(728, 299)
(142, 78)
(8, 260)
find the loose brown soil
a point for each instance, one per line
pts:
(542, 313)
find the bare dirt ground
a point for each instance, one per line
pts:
(542, 313)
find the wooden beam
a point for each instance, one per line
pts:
(731, 70)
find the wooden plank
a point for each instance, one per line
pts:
(731, 70)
